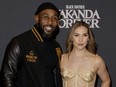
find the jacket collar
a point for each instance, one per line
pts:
(37, 34)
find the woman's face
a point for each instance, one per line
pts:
(80, 37)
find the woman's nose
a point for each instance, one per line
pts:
(81, 39)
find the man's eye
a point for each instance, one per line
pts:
(45, 16)
(55, 18)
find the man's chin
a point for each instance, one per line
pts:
(47, 35)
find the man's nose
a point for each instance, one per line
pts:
(50, 20)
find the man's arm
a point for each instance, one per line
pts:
(9, 65)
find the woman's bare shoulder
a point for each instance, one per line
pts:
(99, 59)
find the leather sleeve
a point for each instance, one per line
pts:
(10, 64)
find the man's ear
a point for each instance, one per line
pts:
(36, 18)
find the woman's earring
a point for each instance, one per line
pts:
(71, 40)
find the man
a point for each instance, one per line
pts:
(32, 58)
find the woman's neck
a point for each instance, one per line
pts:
(78, 52)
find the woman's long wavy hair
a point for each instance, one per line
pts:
(91, 45)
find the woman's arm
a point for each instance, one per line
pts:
(103, 73)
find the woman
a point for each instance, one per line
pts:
(81, 63)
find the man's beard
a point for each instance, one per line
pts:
(52, 35)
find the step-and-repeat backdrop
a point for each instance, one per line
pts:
(17, 16)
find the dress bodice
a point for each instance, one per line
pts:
(72, 79)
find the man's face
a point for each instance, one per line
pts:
(48, 20)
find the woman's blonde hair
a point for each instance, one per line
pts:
(91, 45)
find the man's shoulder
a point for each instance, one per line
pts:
(26, 33)
(22, 36)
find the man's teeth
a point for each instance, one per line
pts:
(48, 28)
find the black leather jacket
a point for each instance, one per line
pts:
(31, 62)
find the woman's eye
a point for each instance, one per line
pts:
(76, 35)
(85, 34)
